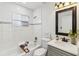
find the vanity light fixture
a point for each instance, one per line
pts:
(60, 5)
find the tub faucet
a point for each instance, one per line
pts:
(35, 41)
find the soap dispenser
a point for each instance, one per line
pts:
(57, 37)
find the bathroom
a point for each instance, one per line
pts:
(28, 24)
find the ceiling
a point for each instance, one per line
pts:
(31, 5)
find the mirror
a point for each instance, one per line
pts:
(66, 21)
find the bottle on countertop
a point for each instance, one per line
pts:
(57, 37)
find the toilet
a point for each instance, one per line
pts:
(42, 51)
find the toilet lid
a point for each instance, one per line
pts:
(40, 51)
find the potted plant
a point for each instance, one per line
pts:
(73, 37)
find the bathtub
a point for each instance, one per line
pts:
(16, 51)
(32, 47)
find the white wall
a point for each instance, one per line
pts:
(45, 15)
(37, 27)
(11, 36)
(48, 19)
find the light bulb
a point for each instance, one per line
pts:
(56, 7)
(60, 5)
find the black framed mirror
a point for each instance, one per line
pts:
(66, 21)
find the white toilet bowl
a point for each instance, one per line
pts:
(44, 46)
(40, 52)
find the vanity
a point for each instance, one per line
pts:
(59, 48)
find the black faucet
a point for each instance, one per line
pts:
(64, 39)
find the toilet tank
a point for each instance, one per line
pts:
(44, 42)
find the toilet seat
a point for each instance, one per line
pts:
(40, 52)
